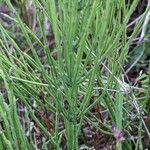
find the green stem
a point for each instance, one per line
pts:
(71, 133)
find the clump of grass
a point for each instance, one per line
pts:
(91, 44)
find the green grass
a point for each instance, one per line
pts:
(92, 46)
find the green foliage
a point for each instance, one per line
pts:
(90, 37)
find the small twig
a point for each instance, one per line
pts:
(7, 16)
(134, 21)
(147, 19)
(135, 62)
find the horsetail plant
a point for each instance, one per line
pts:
(90, 36)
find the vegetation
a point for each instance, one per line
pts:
(62, 71)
